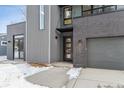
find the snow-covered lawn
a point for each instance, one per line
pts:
(3, 58)
(13, 75)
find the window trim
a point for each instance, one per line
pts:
(44, 17)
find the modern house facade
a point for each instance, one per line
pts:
(84, 35)
(3, 44)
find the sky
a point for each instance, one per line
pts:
(10, 14)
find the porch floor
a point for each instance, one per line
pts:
(62, 64)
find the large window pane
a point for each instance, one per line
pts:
(86, 13)
(67, 12)
(120, 7)
(97, 6)
(98, 11)
(42, 16)
(76, 11)
(110, 8)
(86, 7)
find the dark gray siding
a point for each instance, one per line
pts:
(37, 40)
(104, 25)
(3, 49)
(55, 42)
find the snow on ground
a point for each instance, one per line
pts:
(3, 58)
(73, 73)
(28, 70)
(13, 75)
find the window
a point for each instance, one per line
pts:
(109, 8)
(42, 17)
(86, 10)
(76, 11)
(98, 11)
(86, 7)
(3, 43)
(67, 12)
(120, 7)
(67, 15)
(97, 6)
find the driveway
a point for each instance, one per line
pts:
(93, 78)
(88, 78)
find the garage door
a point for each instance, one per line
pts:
(106, 53)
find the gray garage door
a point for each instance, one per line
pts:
(106, 53)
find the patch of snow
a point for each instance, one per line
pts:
(22, 83)
(73, 73)
(28, 70)
(3, 58)
(14, 75)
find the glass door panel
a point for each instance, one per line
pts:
(67, 48)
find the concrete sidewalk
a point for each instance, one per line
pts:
(53, 78)
(56, 77)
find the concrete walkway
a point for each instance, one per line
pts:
(53, 78)
(88, 78)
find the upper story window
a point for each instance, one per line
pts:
(86, 10)
(42, 17)
(70, 12)
(120, 7)
(109, 8)
(67, 15)
(76, 11)
(97, 9)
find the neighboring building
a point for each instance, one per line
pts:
(15, 38)
(87, 35)
(3, 44)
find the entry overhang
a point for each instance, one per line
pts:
(65, 29)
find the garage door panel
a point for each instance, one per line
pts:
(106, 53)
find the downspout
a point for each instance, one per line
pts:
(49, 52)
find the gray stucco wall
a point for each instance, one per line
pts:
(14, 29)
(55, 42)
(105, 25)
(3, 49)
(37, 40)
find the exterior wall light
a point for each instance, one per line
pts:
(9, 41)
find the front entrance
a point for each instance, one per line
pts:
(18, 47)
(67, 42)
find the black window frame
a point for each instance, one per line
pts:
(102, 7)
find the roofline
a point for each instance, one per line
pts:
(3, 34)
(16, 23)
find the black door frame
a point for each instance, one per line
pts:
(64, 46)
(14, 47)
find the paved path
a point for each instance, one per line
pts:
(53, 78)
